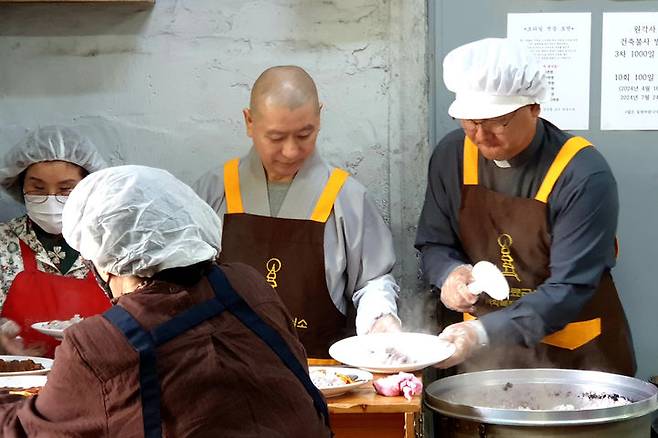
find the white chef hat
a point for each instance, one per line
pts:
(48, 143)
(492, 77)
(138, 220)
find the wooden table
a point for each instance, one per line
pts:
(362, 413)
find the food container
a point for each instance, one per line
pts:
(543, 403)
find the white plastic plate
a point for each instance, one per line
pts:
(42, 327)
(366, 351)
(361, 378)
(47, 365)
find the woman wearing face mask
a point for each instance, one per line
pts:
(41, 277)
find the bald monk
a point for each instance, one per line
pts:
(308, 227)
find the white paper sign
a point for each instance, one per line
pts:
(629, 71)
(561, 42)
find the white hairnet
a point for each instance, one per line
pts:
(137, 220)
(492, 77)
(49, 143)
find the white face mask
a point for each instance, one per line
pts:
(48, 214)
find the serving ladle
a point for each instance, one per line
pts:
(488, 278)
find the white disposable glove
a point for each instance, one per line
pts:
(377, 298)
(467, 337)
(386, 324)
(9, 328)
(11, 344)
(454, 292)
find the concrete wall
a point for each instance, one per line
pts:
(165, 86)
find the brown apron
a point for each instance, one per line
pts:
(290, 255)
(514, 234)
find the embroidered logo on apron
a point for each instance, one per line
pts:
(273, 265)
(509, 270)
(299, 323)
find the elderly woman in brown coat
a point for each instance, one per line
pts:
(190, 349)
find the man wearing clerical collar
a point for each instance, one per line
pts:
(511, 188)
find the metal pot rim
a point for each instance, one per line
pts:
(644, 392)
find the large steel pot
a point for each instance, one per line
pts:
(525, 403)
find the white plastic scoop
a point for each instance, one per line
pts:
(489, 279)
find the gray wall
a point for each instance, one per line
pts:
(632, 154)
(165, 86)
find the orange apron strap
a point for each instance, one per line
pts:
(569, 150)
(232, 187)
(572, 336)
(575, 334)
(470, 163)
(329, 194)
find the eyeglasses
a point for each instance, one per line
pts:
(495, 126)
(40, 197)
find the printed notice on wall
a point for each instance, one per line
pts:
(629, 71)
(561, 42)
